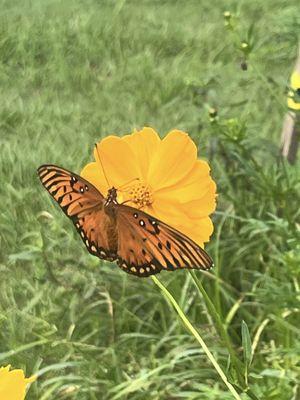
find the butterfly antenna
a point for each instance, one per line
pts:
(102, 166)
(122, 188)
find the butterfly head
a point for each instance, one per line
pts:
(111, 196)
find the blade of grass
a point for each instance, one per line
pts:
(197, 336)
(220, 328)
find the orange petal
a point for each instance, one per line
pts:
(144, 144)
(118, 160)
(94, 174)
(174, 215)
(193, 186)
(202, 230)
(31, 379)
(173, 160)
(4, 370)
(203, 206)
(169, 212)
(13, 384)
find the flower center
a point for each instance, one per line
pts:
(140, 194)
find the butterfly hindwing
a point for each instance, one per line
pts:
(83, 204)
(146, 245)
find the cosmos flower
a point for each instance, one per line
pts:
(13, 383)
(163, 177)
(294, 93)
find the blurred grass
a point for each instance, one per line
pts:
(73, 71)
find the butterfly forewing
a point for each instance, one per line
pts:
(83, 204)
(146, 245)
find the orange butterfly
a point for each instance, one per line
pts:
(141, 244)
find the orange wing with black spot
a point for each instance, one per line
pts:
(147, 246)
(83, 204)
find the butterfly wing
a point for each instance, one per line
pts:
(142, 244)
(83, 204)
(146, 245)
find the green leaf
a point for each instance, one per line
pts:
(247, 346)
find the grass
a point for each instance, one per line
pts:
(74, 71)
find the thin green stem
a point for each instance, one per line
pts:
(217, 267)
(220, 328)
(197, 336)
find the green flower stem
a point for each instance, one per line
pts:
(197, 336)
(220, 329)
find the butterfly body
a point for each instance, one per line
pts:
(141, 244)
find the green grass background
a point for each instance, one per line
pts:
(72, 72)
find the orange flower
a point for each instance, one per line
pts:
(13, 384)
(161, 176)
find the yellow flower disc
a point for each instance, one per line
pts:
(163, 177)
(13, 384)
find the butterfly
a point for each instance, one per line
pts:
(140, 244)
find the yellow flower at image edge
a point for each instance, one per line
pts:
(13, 384)
(295, 92)
(163, 177)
